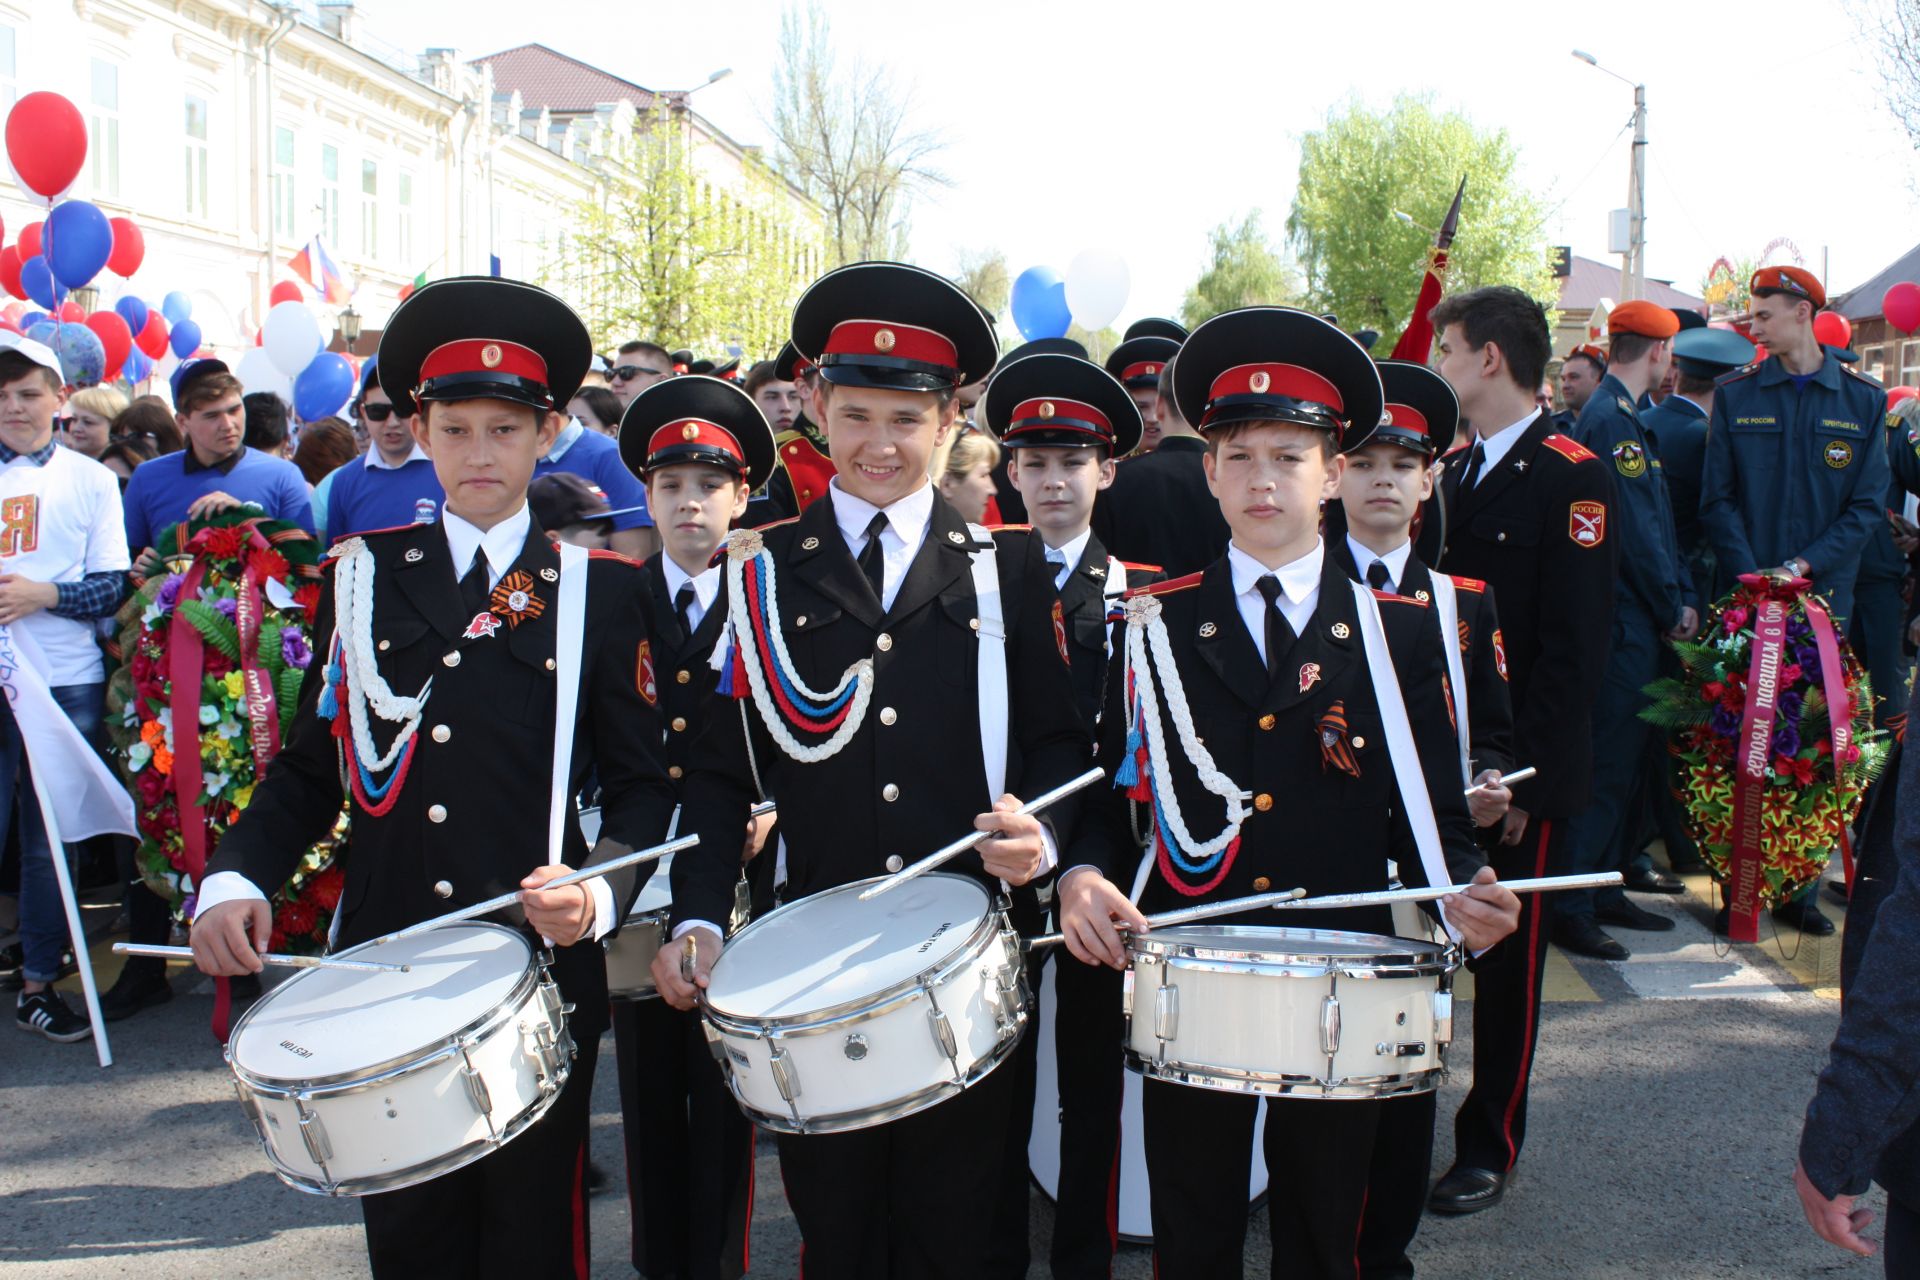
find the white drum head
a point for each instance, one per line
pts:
(657, 893)
(325, 1022)
(831, 948)
(1330, 945)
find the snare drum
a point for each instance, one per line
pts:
(832, 1014)
(366, 1082)
(630, 954)
(1289, 1012)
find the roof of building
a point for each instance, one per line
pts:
(546, 78)
(1864, 301)
(1591, 281)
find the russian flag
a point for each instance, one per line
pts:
(321, 272)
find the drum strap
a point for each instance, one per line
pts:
(1401, 750)
(567, 653)
(992, 656)
(1111, 596)
(1446, 607)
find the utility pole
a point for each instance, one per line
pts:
(1633, 263)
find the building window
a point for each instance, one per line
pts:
(283, 184)
(330, 192)
(1909, 364)
(103, 129)
(196, 157)
(8, 89)
(403, 223)
(1873, 362)
(370, 208)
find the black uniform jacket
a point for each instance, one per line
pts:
(1159, 511)
(1313, 824)
(678, 665)
(1483, 658)
(1083, 619)
(912, 779)
(472, 811)
(1536, 528)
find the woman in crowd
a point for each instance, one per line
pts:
(123, 455)
(88, 423)
(966, 481)
(325, 443)
(598, 408)
(149, 421)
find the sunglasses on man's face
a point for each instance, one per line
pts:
(628, 372)
(376, 412)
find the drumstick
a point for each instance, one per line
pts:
(505, 900)
(1539, 884)
(266, 957)
(1186, 915)
(965, 843)
(689, 958)
(1507, 780)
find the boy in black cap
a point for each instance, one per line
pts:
(1270, 683)
(438, 707)
(1139, 363)
(876, 586)
(701, 445)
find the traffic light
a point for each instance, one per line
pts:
(1561, 255)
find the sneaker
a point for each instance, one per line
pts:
(46, 1013)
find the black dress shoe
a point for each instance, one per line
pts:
(244, 986)
(1465, 1190)
(1647, 880)
(133, 991)
(1805, 917)
(1624, 914)
(596, 1178)
(1585, 937)
(1837, 890)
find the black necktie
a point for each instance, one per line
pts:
(1377, 575)
(1472, 475)
(873, 559)
(474, 588)
(1280, 635)
(683, 606)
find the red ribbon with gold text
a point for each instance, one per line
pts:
(1753, 751)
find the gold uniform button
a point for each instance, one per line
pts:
(884, 643)
(889, 792)
(1263, 802)
(888, 715)
(385, 645)
(1261, 884)
(1358, 742)
(441, 733)
(451, 659)
(1267, 722)
(681, 677)
(442, 889)
(800, 621)
(437, 813)
(550, 664)
(679, 724)
(675, 771)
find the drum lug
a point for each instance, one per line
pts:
(1166, 1013)
(715, 1045)
(854, 1046)
(943, 1035)
(785, 1078)
(1413, 1049)
(477, 1092)
(314, 1134)
(252, 1108)
(1443, 1016)
(552, 1057)
(1330, 1025)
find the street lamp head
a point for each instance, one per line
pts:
(1586, 57)
(719, 75)
(349, 327)
(1403, 217)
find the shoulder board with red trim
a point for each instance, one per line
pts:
(1009, 528)
(1459, 448)
(1165, 588)
(1468, 584)
(1398, 599)
(373, 533)
(1143, 568)
(597, 554)
(1569, 448)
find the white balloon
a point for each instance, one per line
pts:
(290, 337)
(257, 372)
(1097, 287)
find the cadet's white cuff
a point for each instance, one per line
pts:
(1049, 856)
(603, 913)
(225, 886)
(687, 926)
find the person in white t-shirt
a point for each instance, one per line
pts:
(63, 563)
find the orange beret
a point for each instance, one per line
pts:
(1643, 317)
(1795, 281)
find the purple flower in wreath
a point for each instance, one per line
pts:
(295, 649)
(169, 593)
(1724, 723)
(1786, 740)
(1790, 703)
(227, 606)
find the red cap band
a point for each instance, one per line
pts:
(1277, 380)
(1054, 414)
(484, 355)
(1407, 418)
(895, 341)
(697, 431)
(1144, 369)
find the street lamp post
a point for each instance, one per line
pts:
(349, 328)
(1633, 265)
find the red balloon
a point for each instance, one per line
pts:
(285, 291)
(47, 142)
(1759, 352)
(1901, 306)
(11, 327)
(29, 241)
(114, 336)
(10, 271)
(129, 247)
(13, 310)
(153, 339)
(1831, 329)
(1896, 394)
(71, 312)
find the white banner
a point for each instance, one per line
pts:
(89, 799)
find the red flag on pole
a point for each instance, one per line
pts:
(1416, 341)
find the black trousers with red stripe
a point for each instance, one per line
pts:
(1088, 1030)
(689, 1149)
(1397, 1185)
(1200, 1154)
(1492, 1122)
(520, 1212)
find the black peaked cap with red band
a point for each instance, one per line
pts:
(1276, 364)
(790, 365)
(695, 418)
(1422, 412)
(1155, 327)
(895, 327)
(1063, 402)
(483, 338)
(1140, 362)
(1044, 347)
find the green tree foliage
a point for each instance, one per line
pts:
(983, 275)
(1362, 262)
(658, 252)
(1245, 270)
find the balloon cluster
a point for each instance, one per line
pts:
(290, 361)
(1044, 303)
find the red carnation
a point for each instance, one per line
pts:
(1712, 690)
(1790, 675)
(326, 887)
(307, 595)
(267, 563)
(297, 918)
(224, 543)
(277, 941)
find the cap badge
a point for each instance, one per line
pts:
(490, 355)
(1153, 368)
(550, 575)
(1309, 675)
(514, 599)
(1422, 596)
(883, 340)
(1341, 631)
(414, 555)
(1208, 631)
(689, 432)
(482, 626)
(809, 544)
(1046, 409)
(956, 537)
(1259, 382)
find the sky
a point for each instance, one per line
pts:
(1138, 127)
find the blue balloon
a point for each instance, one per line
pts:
(77, 242)
(177, 307)
(1039, 304)
(45, 332)
(136, 367)
(185, 337)
(36, 277)
(82, 357)
(134, 312)
(323, 387)
(32, 318)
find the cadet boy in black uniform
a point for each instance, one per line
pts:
(1267, 645)
(701, 445)
(1527, 513)
(880, 572)
(1388, 479)
(1063, 421)
(469, 603)
(1139, 363)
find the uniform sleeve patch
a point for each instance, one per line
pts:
(1499, 653)
(643, 678)
(1569, 448)
(1629, 459)
(1838, 454)
(1587, 523)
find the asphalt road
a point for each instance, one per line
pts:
(1666, 1109)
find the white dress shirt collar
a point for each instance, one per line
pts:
(706, 585)
(1067, 558)
(1496, 446)
(374, 461)
(502, 543)
(907, 518)
(1395, 560)
(1299, 591)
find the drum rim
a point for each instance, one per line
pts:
(1275, 1084)
(865, 1006)
(345, 1082)
(1415, 958)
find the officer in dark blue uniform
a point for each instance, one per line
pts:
(1580, 374)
